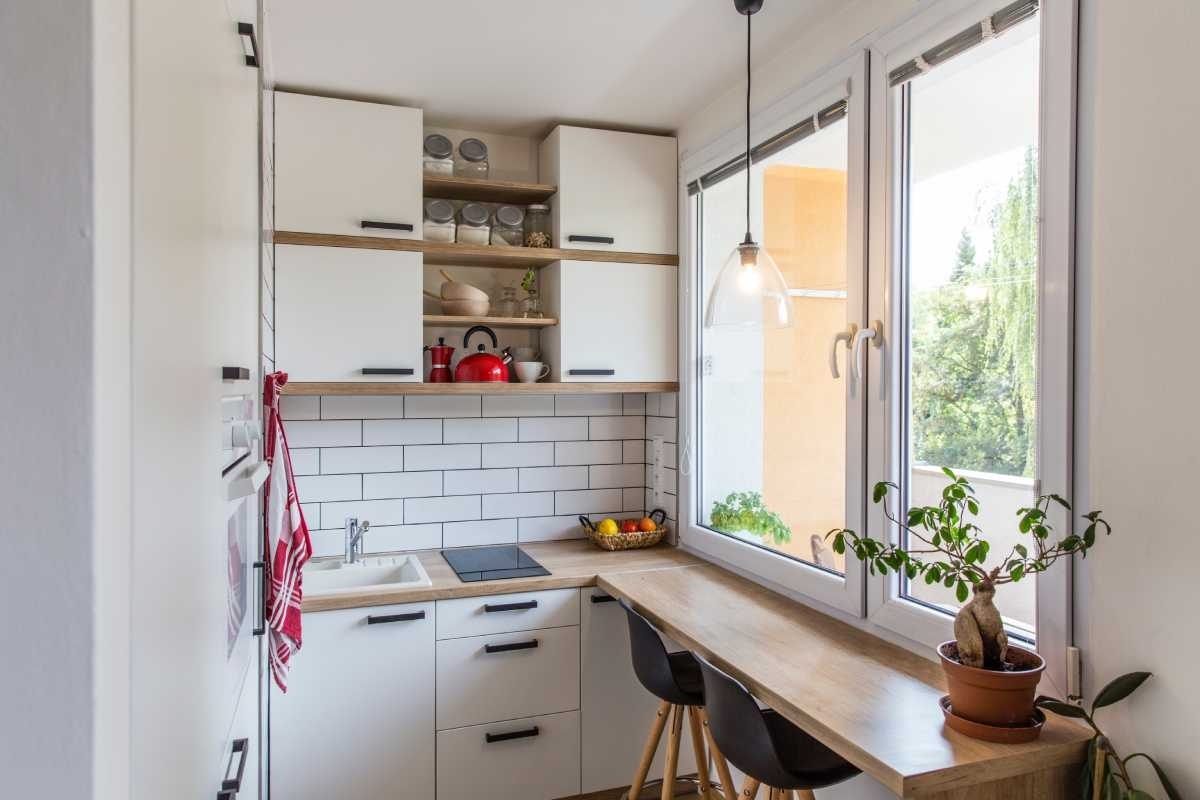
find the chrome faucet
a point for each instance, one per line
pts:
(354, 535)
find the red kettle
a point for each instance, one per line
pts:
(439, 361)
(482, 366)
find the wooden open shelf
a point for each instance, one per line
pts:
(487, 191)
(491, 322)
(473, 255)
(394, 388)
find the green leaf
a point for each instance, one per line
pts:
(1022, 551)
(1017, 572)
(1113, 790)
(1119, 688)
(949, 473)
(1168, 787)
(879, 492)
(1138, 794)
(973, 505)
(839, 544)
(1061, 708)
(961, 591)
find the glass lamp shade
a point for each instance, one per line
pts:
(750, 292)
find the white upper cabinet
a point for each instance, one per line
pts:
(344, 314)
(616, 191)
(347, 167)
(617, 321)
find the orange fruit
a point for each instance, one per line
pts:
(647, 525)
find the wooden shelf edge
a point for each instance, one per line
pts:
(449, 320)
(520, 192)
(396, 388)
(472, 255)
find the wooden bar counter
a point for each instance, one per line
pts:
(873, 702)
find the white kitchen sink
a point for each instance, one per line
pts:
(390, 571)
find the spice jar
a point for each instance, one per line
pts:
(507, 227)
(507, 305)
(439, 221)
(473, 227)
(472, 159)
(537, 226)
(438, 155)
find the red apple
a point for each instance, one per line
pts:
(629, 526)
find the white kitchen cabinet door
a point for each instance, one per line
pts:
(617, 322)
(615, 709)
(341, 163)
(526, 759)
(357, 722)
(340, 311)
(616, 191)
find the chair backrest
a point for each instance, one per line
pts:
(739, 728)
(650, 660)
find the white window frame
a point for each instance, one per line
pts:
(848, 78)
(1058, 20)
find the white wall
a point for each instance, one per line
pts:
(1139, 278)
(45, 413)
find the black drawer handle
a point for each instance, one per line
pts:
(603, 598)
(508, 648)
(235, 373)
(234, 784)
(591, 372)
(387, 371)
(260, 626)
(407, 617)
(592, 239)
(492, 608)
(528, 733)
(387, 226)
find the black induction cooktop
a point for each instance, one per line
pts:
(472, 564)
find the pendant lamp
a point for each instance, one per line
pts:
(750, 291)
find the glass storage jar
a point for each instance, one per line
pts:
(507, 305)
(507, 227)
(473, 227)
(439, 221)
(537, 226)
(438, 155)
(472, 159)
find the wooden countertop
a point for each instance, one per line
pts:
(871, 701)
(571, 564)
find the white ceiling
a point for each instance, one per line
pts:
(520, 66)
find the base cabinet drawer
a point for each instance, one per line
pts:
(536, 758)
(506, 676)
(500, 613)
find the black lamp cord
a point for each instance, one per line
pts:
(749, 239)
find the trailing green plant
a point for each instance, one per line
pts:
(529, 280)
(1106, 775)
(745, 511)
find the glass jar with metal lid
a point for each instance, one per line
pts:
(438, 155)
(439, 221)
(471, 160)
(507, 226)
(537, 226)
(473, 227)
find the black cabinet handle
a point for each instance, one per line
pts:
(387, 371)
(592, 239)
(505, 737)
(260, 626)
(240, 747)
(508, 648)
(379, 619)
(603, 598)
(492, 608)
(246, 30)
(235, 373)
(591, 372)
(386, 226)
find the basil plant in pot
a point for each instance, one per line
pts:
(990, 681)
(745, 513)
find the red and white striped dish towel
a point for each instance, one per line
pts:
(288, 545)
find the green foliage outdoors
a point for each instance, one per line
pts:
(974, 347)
(745, 511)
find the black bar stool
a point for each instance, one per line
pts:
(761, 743)
(674, 678)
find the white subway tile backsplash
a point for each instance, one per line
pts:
(633, 500)
(362, 407)
(523, 504)
(534, 454)
(479, 481)
(543, 529)
(479, 430)
(470, 534)
(331, 433)
(378, 512)
(652, 403)
(548, 479)
(441, 509)
(537, 405)
(342, 460)
(312, 515)
(442, 456)
(588, 501)
(667, 404)
(553, 429)
(634, 404)
(327, 543)
(568, 453)
(325, 488)
(666, 502)
(661, 426)
(299, 407)
(583, 405)
(402, 431)
(668, 453)
(634, 451)
(617, 428)
(389, 538)
(306, 461)
(616, 476)
(442, 406)
(392, 485)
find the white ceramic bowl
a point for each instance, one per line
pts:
(466, 308)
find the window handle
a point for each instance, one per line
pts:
(841, 337)
(873, 332)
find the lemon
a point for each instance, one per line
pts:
(607, 527)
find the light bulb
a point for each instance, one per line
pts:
(749, 278)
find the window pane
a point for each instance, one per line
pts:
(971, 203)
(773, 420)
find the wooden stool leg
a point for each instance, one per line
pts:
(698, 750)
(668, 785)
(749, 789)
(718, 759)
(806, 794)
(651, 747)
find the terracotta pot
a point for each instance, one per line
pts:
(990, 696)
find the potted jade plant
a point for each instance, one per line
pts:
(745, 513)
(991, 682)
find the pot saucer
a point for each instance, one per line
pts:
(993, 733)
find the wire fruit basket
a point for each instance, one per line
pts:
(627, 541)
